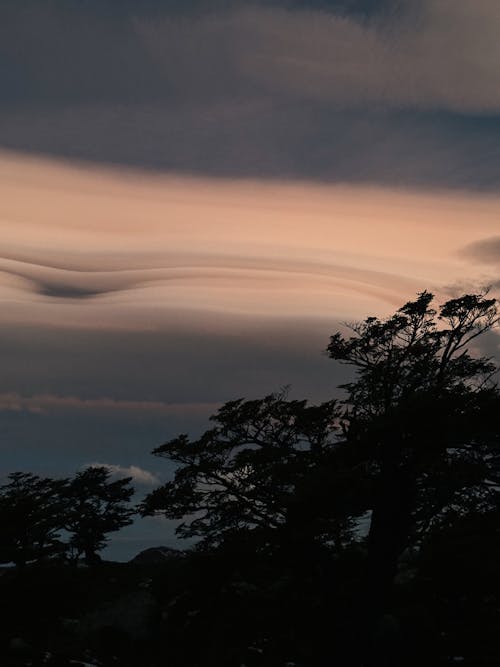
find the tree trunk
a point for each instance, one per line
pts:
(91, 557)
(390, 530)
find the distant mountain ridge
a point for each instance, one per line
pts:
(154, 555)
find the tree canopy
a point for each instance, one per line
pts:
(419, 404)
(416, 351)
(95, 507)
(410, 451)
(421, 409)
(31, 516)
(263, 467)
(44, 518)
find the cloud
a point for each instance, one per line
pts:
(442, 55)
(149, 252)
(118, 8)
(190, 278)
(269, 138)
(486, 250)
(408, 97)
(194, 270)
(139, 475)
(438, 54)
(52, 281)
(41, 403)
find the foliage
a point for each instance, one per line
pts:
(416, 352)
(422, 410)
(35, 512)
(413, 448)
(420, 399)
(416, 424)
(95, 506)
(265, 466)
(31, 518)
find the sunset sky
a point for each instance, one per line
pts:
(195, 194)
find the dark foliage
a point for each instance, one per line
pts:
(37, 513)
(95, 506)
(31, 518)
(411, 452)
(421, 408)
(271, 471)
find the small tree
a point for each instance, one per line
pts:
(95, 506)
(31, 516)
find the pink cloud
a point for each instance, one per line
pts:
(41, 403)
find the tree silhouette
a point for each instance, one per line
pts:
(271, 467)
(95, 506)
(31, 517)
(413, 449)
(273, 494)
(420, 410)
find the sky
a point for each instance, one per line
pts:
(195, 195)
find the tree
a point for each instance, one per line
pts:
(413, 448)
(272, 496)
(272, 468)
(420, 410)
(31, 516)
(416, 351)
(95, 506)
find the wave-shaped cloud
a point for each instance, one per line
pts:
(110, 249)
(66, 284)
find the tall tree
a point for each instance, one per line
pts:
(415, 443)
(95, 506)
(420, 410)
